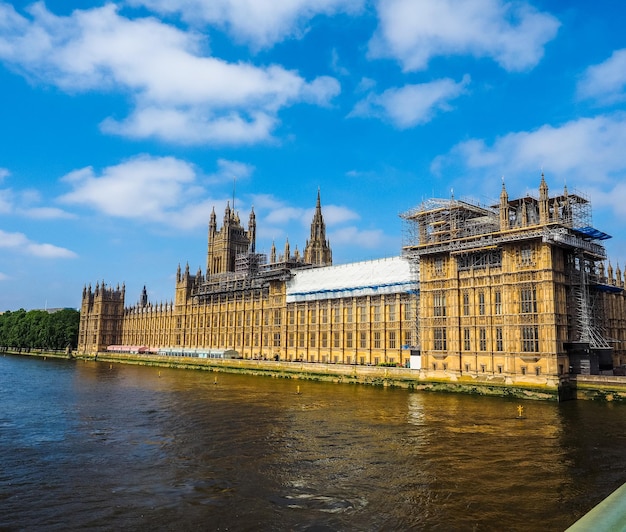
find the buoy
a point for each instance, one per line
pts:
(215, 381)
(298, 391)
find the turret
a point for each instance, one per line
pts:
(504, 208)
(544, 210)
(317, 250)
(252, 230)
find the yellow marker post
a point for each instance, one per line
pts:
(520, 410)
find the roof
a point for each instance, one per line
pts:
(382, 276)
(593, 233)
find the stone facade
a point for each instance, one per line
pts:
(515, 289)
(513, 292)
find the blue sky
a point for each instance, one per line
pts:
(122, 124)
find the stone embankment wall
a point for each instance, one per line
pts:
(351, 374)
(588, 387)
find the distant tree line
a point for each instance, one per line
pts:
(39, 329)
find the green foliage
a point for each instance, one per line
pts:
(38, 329)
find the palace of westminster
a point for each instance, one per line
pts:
(518, 289)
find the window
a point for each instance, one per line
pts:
(482, 337)
(408, 338)
(337, 314)
(499, 346)
(312, 339)
(481, 303)
(523, 368)
(499, 369)
(312, 316)
(466, 305)
(439, 304)
(362, 314)
(467, 368)
(439, 335)
(290, 339)
(337, 341)
(438, 265)
(528, 301)
(376, 340)
(301, 340)
(291, 317)
(530, 339)
(277, 317)
(325, 315)
(392, 339)
(537, 371)
(363, 341)
(376, 313)
(466, 339)
(526, 254)
(349, 315)
(324, 339)
(349, 340)
(301, 317)
(498, 302)
(483, 368)
(391, 312)
(276, 339)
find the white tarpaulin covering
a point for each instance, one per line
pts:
(375, 277)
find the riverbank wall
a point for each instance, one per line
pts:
(399, 377)
(571, 387)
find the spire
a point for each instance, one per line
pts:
(273, 254)
(212, 222)
(287, 251)
(252, 230)
(504, 208)
(544, 211)
(317, 250)
(143, 298)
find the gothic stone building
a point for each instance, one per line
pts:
(516, 290)
(291, 307)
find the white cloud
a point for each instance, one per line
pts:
(227, 171)
(4, 277)
(586, 152)
(605, 82)
(589, 148)
(24, 203)
(411, 105)
(19, 242)
(260, 23)
(144, 187)
(352, 236)
(511, 33)
(4, 173)
(180, 94)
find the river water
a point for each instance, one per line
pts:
(86, 445)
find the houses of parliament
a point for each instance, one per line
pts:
(521, 290)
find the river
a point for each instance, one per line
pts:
(99, 446)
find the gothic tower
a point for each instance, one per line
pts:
(317, 250)
(231, 240)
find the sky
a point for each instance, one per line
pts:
(124, 123)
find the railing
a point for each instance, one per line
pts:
(608, 516)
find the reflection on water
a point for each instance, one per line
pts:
(91, 445)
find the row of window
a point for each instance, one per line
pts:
(527, 296)
(529, 335)
(346, 340)
(483, 368)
